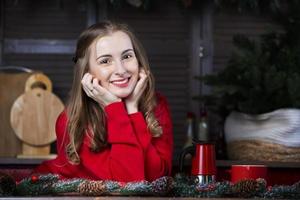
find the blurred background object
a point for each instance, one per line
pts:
(29, 111)
(33, 116)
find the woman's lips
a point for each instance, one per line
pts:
(121, 82)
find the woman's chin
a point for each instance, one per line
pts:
(122, 95)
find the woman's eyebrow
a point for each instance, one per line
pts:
(105, 55)
(127, 50)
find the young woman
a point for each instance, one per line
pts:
(115, 126)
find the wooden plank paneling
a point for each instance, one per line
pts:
(229, 23)
(39, 46)
(59, 19)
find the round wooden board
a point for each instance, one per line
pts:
(33, 116)
(38, 80)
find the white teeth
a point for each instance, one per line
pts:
(121, 81)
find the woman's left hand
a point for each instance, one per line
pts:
(94, 90)
(132, 100)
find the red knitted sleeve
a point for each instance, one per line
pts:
(157, 150)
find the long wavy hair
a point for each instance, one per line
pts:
(85, 116)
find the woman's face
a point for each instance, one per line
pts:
(113, 62)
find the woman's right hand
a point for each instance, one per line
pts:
(97, 92)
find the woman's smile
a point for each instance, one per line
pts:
(122, 83)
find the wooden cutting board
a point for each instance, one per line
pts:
(33, 116)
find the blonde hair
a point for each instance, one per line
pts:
(84, 114)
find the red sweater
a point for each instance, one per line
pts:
(132, 156)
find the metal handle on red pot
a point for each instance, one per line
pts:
(185, 151)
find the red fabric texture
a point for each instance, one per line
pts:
(133, 155)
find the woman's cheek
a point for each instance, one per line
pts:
(133, 66)
(104, 77)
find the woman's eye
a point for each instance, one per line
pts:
(105, 61)
(127, 56)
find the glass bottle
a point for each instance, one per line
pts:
(203, 134)
(189, 134)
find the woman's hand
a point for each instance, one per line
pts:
(133, 99)
(97, 92)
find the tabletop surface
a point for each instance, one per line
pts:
(123, 198)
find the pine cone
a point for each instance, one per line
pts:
(92, 188)
(162, 185)
(248, 188)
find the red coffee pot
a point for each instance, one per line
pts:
(203, 161)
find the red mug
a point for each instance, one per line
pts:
(203, 161)
(242, 172)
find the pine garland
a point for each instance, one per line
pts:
(179, 186)
(69, 186)
(284, 192)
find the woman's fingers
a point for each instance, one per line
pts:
(87, 81)
(87, 90)
(98, 88)
(95, 91)
(87, 86)
(103, 93)
(141, 84)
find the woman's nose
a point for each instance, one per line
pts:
(120, 68)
